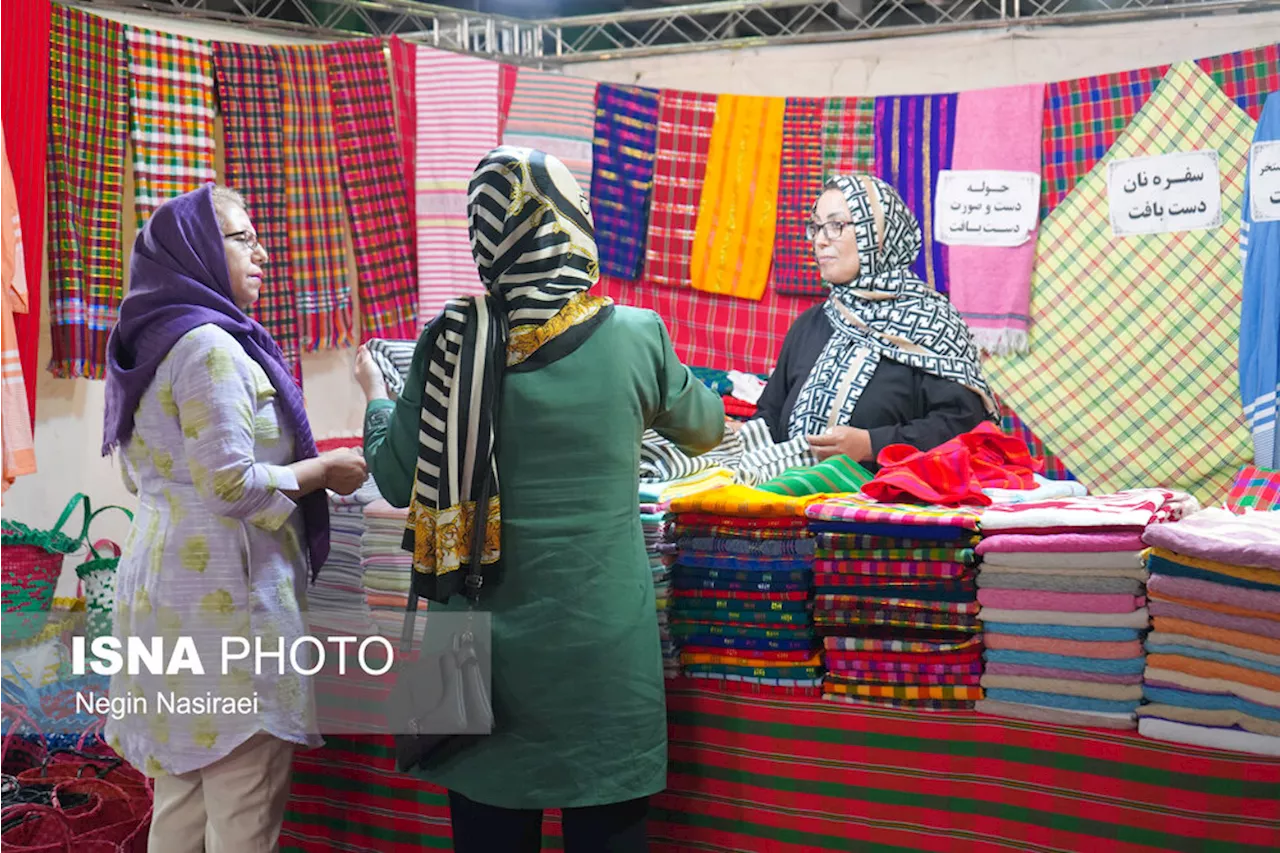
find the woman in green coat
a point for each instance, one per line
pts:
(578, 700)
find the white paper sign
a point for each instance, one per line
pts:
(1264, 181)
(986, 208)
(1165, 194)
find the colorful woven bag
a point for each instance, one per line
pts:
(98, 580)
(30, 565)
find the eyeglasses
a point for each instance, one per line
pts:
(245, 239)
(831, 230)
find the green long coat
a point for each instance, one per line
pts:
(579, 704)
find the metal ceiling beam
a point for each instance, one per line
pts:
(667, 30)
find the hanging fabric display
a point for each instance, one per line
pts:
(1082, 118)
(991, 285)
(88, 127)
(849, 137)
(738, 211)
(914, 138)
(1260, 313)
(556, 114)
(171, 116)
(24, 55)
(313, 200)
(457, 112)
(625, 141)
(685, 120)
(404, 73)
(249, 93)
(365, 130)
(507, 75)
(799, 184)
(1246, 76)
(17, 446)
(1133, 338)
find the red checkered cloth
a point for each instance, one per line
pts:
(731, 333)
(849, 136)
(1255, 489)
(1082, 118)
(1054, 469)
(249, 91)
(685, 120)
(88, 130)
(956, 472)
(373, 175)
(404, 76)
(799, 184)
(313, 199)
(1246, 76)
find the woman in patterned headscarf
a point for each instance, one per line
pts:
(546, 389)
(886, 359)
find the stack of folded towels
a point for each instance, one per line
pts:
(741, 579)
(895, 603)
(336, 601)
(1062, 588)
(661, 551)
(1213, 660)
(388, 568)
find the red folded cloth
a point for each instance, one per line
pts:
(955, 473)
(735, 408)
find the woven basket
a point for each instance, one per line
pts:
(98, 579)
(30, 565)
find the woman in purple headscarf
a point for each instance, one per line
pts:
(232, 520)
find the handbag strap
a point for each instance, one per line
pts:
(93, 546)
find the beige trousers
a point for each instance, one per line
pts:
(235, 805)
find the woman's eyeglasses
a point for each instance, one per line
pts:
(831, 230)
(248, 241)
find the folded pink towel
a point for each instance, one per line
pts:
(1105, 650)
(1061, 542)
(1066, 602)
(1054, 672)
(1217, 593)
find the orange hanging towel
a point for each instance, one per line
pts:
(737, 214)
(17, 447)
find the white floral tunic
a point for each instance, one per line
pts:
(215, 550)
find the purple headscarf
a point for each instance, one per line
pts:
(178, 281)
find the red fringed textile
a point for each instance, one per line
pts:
(404, 72)
(88, 129)
(794, 271)
(954, 473)
(685, 120)
(24, 40)
(762, 772)
(364, 122)
(249, 91)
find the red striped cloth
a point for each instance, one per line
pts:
(556, 114)
(507, 77)
(404, 74)
(457, 126)
(24, 55)
(364, 124)
(799, 185)
(248, 78)
(685, 120)
(313, 200)
(88, 132)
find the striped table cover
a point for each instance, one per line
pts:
(171, 116)
(457, 109)
(753, 772)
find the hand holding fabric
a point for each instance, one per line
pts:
(368, 376)
(842, 440)
(344, 470)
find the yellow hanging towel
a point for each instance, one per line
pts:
(737, 215)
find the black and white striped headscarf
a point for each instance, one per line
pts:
(533, 241)
(886, 312)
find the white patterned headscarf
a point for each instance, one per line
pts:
(886, 312)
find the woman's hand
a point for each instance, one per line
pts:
(344, 470)
(842, 440)
(368, 376)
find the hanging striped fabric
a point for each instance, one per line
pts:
(685, 120)
(368, 156)
(404, 74)
(313, 200)
(171, 116)
(88, 127)
(457, 107)
(914, 137)
(249, 92)
(799, 185)
(626, 137)
(555, 114)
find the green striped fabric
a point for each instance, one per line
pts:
(839, 474)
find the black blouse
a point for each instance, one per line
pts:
(901, 404)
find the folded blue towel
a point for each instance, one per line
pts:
(1211, 654)
(1124, 666)
(916, 532)
(1063, 702)
(1208, 701)
(1062, 632)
